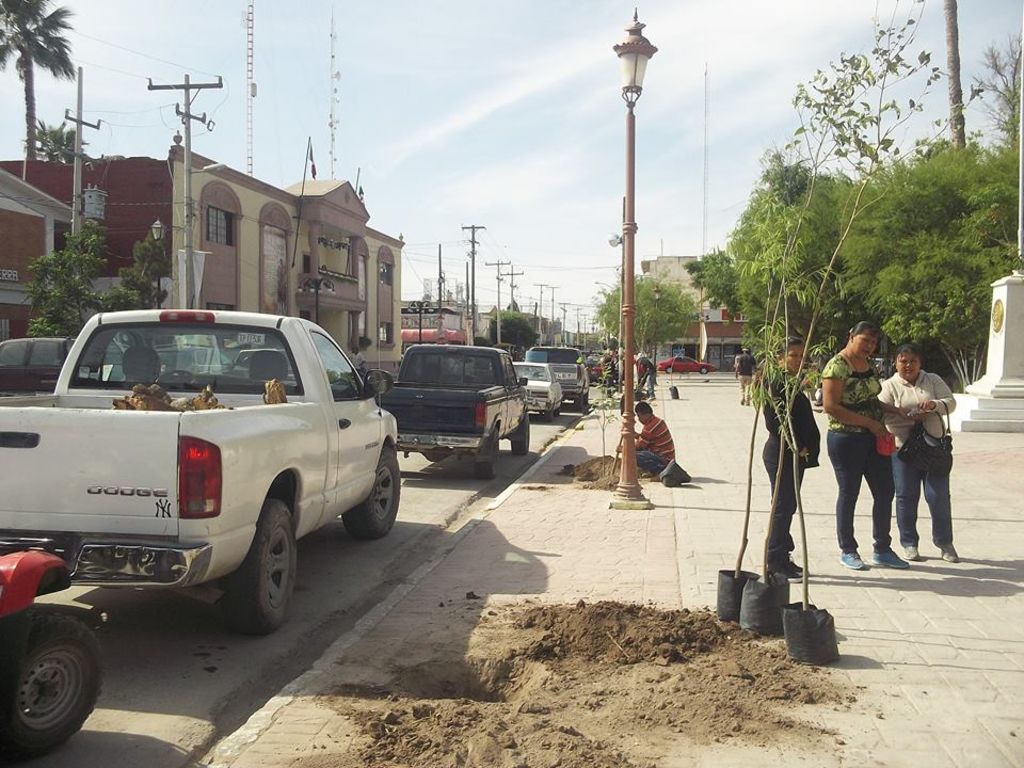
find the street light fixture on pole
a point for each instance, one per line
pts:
(634, 53)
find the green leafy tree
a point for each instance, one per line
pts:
(61, 288)
(516, 329)
(717, 275)
(140, 283)
(924, 255)
(33, 35)
(664, 311)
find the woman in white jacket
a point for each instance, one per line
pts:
(923, 397)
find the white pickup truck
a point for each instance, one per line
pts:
(153, 498)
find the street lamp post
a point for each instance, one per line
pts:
(315, 284)
(634, 53)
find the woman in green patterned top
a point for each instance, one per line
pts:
(850, 388)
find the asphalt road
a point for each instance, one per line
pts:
(176, 681)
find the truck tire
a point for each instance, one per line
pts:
(55, 688)
(257, 595)
(375, 516)
(521, 437)
(483, 466)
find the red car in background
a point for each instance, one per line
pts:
(684, 364)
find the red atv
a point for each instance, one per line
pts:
(50, 669)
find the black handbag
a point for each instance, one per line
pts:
(929, 454)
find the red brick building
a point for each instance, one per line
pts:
(138, 193)
(32, 223)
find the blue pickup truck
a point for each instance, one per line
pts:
(461, 401)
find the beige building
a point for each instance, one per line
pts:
(306, 252)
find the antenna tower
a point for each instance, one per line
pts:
(707, 119)
(250, 84)
(335, 77)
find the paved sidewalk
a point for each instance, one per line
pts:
(936, 651)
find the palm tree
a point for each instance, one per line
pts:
(956, 94)
(32, 34)
(55, 142)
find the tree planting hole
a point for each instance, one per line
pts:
(473, 679)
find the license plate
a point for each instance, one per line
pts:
(565, 376)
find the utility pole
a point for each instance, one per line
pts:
(440, 280)
(472, 260)
(553, 311)
(186, 118)
(499, 264)
(76, 200)
(512, 275)
(471, 340)
(540, 312)
(565, 335)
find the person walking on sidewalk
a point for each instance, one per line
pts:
(647, 372)
(778, 415)
(744, 367)
(850, 387)
(920, 397)
(654, 446)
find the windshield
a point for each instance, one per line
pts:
(184, 356)
(532, 372)
(552, 355)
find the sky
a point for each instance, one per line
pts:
(502, 114)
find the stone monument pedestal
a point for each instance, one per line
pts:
(995, 402)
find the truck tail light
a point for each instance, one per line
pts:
(480, 414)
(199, 479)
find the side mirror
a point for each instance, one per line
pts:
(378, 383)
(523, 381)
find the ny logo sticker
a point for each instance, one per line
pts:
(163, 508)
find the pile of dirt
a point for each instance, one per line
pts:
(601, 474)
(621, 633)
(608, 685)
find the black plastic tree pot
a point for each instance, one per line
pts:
(810, 634)
(730, 593)
(761, 609)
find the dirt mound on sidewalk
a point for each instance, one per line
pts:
(607, 685)
(601, 474)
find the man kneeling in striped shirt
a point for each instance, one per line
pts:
(654, 447)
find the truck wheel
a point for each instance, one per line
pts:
(375, 516)
(521, 437)
(435, 455)
(483, 467)
(55, 689)
(257, 595)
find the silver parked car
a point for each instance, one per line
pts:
(543, 392)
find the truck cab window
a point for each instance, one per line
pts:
(342, 376)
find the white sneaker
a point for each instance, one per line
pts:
(912, 553)
(949, 554)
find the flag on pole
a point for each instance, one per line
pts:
(309, 157)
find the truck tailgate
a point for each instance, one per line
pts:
(435, 410)
(84, 470)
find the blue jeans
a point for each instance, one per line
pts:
(854, 458)
(908, 494)
(652, 381)
(651, 462)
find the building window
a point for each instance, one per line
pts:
(387, 273)
(220, 226)
(386, 333)
(306, 264)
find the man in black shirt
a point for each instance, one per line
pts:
(744, 367)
